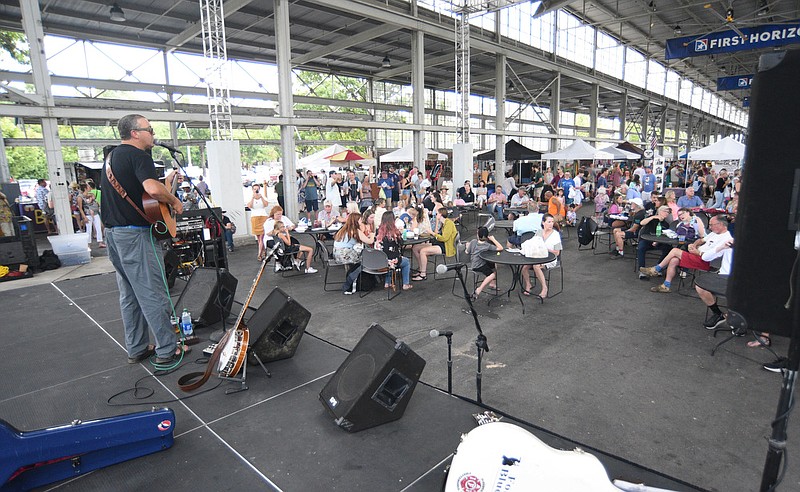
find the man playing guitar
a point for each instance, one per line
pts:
(143, 300)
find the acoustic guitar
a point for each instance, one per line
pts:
(160, 215)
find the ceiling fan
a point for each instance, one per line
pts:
(731, 21)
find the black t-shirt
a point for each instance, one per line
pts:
(650, 227)
(131, 167)
(638, 217)
(720, 185)
(467, 197)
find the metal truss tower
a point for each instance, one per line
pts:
(215, 52)
(463, 9)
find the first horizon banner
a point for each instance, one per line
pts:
(730, 41)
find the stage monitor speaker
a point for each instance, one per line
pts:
(760, 285)
(207, 299)
(374, 383)
(277, 327)
(171, 263)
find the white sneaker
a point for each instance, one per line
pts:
(296, 262)
(311, 270)
(277, 267)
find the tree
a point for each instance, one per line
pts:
(15, 44)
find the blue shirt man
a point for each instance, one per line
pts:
(690, 200)
(649, 181)
(566, 183)
(632, 193)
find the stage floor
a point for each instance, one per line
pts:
(64, 359)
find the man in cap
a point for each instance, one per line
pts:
(621, 234)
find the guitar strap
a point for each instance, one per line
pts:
(194, 380)
(124, 194)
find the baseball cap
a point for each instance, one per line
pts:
(637, 201)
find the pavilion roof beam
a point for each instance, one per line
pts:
(344, 43)
(429, 62)
(191, 32)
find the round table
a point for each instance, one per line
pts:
(508, 225)
(317, 234)
(515, 262)
(412, 242)
(662, 239)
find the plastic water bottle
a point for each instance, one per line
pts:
(186, 323)
(658, 228)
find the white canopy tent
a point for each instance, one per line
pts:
(726, 149)
(577, 150)
(406, 154)
(620, 153)
(317, 160)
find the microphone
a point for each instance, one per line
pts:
(437, 333)
(167, 146)
(446, 268)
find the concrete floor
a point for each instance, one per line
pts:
(606, 363)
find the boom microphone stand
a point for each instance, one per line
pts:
(216, 222)
(777, 441)
(481, 343)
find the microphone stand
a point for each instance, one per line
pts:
(449, 363)
(217, 222)
(480, 342)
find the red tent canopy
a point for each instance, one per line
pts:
(346, 155)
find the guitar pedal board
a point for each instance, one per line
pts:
(209, 351)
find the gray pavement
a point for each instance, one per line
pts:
(606, 363)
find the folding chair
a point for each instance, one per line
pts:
(375, 262)
(327, 263)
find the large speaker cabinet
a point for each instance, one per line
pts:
(374, 383)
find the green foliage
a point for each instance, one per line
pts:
(15, 44)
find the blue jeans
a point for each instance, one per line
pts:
(351, 278)
(719, 199)
(405, 269)
(645, 246)
(229, 238)
(498, 211)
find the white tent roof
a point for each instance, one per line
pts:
(406, 154)
(578, 150)
(318, 160)
(620, 153)
(726, 149)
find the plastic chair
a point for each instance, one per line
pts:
(375, 262)
(327, 263)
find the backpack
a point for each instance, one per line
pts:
(49, 261)
(586, 229)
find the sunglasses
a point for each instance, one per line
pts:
(149, 130)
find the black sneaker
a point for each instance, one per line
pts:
(777, 365)
(642, 276)
(714, 321)
(615, 254)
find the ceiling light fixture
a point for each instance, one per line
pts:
(678, 29)
(763, 8)
(652, 6)
(386, 63)
(116, 14)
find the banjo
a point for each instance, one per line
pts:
(231, 351)
(235, 342)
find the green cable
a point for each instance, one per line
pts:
(164, 367)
